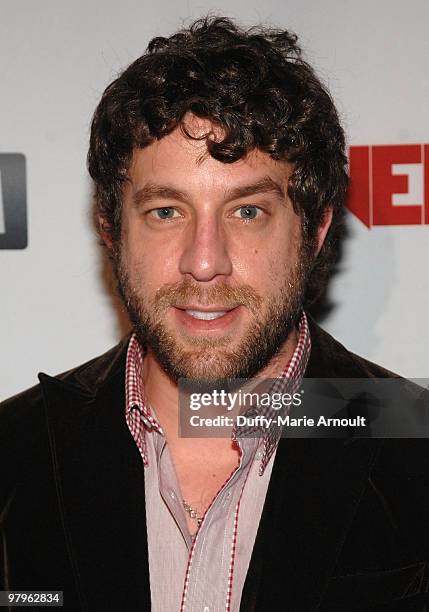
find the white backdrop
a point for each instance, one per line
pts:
(56, 59)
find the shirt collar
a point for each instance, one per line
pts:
(140, 417)
(289, 382)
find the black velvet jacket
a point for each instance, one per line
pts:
(345, 524)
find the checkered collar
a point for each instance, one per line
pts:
(140, 417)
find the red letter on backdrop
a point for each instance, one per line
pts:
(358, 197)
(426, 182)
(385, 184)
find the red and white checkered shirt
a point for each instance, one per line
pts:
(139, 416)
(141, 421)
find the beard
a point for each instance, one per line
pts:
(204, 359)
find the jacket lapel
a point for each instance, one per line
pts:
(100, 485)
(313, 494)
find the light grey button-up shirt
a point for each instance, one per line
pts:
(171, 548)
(207, 573)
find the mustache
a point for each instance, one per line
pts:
(181, 293)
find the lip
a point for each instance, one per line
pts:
(199, 325)
(211, 308)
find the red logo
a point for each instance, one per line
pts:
(389, 184)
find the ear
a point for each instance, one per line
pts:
(105, 233)
(323, 229)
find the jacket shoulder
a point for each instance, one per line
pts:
(369, 368)
(87, 376)
(22, 416)
(330, 359)
(91, 374)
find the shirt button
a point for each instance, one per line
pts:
(258, 455)
(146, 422)
(206, 609)
(172, 495)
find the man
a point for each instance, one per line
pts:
(220, 176)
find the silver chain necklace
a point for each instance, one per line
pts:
(193, 514)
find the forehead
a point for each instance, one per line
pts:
(178, 159)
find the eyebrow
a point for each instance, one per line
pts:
(152, 191)
(265, 185)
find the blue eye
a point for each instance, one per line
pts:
(248, 212)
(164, 213)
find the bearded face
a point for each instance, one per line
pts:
(211, 263)
(208, 357)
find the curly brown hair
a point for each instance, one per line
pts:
(256, 86)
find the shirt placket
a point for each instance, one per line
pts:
(208, 579)
(170, 490)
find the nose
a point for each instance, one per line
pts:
(205, 254)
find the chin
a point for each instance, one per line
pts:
(203, 365)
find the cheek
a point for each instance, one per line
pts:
(256, 263)
(150, 265)
(269, 255)
(270, 271)
(256, 267)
